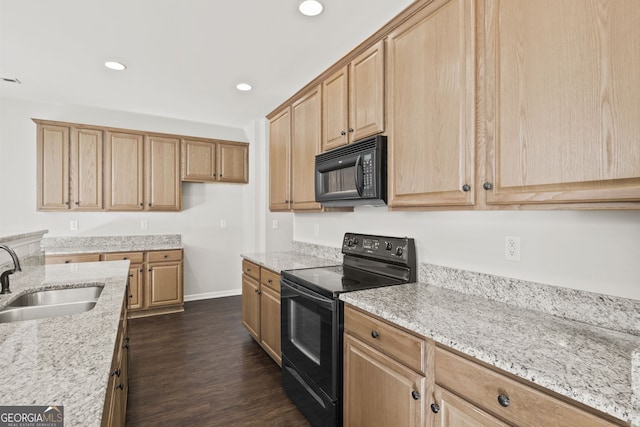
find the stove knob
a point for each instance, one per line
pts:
(355, 240)
(389, 246)
(350, 242)
(399, 251)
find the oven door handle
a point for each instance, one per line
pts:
(301, 291)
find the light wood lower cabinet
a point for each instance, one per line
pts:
(155, 278)
(261, 307)
(384, 373)
(115, 407)
(452, 411)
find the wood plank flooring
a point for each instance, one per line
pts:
(201, 368)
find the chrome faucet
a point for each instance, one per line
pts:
(4, 277)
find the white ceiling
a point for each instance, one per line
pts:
(184, 57)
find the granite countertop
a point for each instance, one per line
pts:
(63, 360)
(109, 244)
(278, 261)
(590, 364)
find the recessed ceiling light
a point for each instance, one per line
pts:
(244, 87)
(310, 7)
(115, 65)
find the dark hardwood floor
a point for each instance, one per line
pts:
(201, 368)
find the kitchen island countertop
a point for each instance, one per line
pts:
(589, 364)
(63, 361)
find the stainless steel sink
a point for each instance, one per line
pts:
(16, 314)
(51, 303)
(58, 296)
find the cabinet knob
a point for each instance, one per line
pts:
(350, 130)
(487, 186)
(116, 372)
(149, 270)
(435, 408)
(131, 275)
(466, 187)
(125, 257)
(286, 201)
(374, 334)
(126, 346)
(343, 133)
(166, 256)
(141, 204)
(150, 204)
(270, 281)
(66, 203)
(259, 292)
(130, 295)
(141, 270)
(121, 387)
(504, 400)
(415, 395)
(77, 203)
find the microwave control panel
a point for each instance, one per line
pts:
(369, 185)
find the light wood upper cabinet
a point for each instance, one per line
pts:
(561, 101)
(124, 173)
(198, 161)
(86, 169)
(431, 104)
(233, 162)
(162, 164)
(306, 134)
(280, 161)
(353, 99)
(213, 160)
(53, 167)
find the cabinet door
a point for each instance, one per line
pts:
(335, 107)
(124, 174)
(270, 323)
(251, 306)
(233, 162)
(198, 161)
(280, 161)
(136, 280)
(305, 144)
(453, 411)
(72, 258)
(86, 169)
(366, 93)
(561, 98)
(431, 84)
(53, 168)
(162, 163)
(378, 391)
(164, 284)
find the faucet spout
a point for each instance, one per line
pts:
(4, 277)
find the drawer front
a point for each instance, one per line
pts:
(270, 279)
(160, 256)
(485, 388)
(251, 269)
(67, 259)
(134, 257)
(398, 344)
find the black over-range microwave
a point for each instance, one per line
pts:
(353, 175)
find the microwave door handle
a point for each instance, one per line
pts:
(359, 178)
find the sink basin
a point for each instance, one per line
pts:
(58, 296)
(16, 314)
(51, 303)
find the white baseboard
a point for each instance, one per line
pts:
(209, 295)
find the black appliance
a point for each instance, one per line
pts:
(353, 175)
(312, 318)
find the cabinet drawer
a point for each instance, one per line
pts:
(251, 269)
(133, 257)
(398, 344)
(270, 279)
(159, 256)
(526, 405)
(67, 259)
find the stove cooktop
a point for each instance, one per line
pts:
(332, 281)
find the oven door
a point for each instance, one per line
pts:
(310, 335)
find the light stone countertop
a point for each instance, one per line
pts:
(278, 261)
(63, 360)
(587, 363)
(109, 244)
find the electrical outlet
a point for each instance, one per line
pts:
(512, 248)
(223, 223)
(73, 225)
(316, 230)
(275, 225)
(144, 224)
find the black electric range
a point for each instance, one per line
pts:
(312, 318)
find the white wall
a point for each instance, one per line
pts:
(596, 251)
(212, 254)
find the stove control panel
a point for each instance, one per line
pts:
(392, 249)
